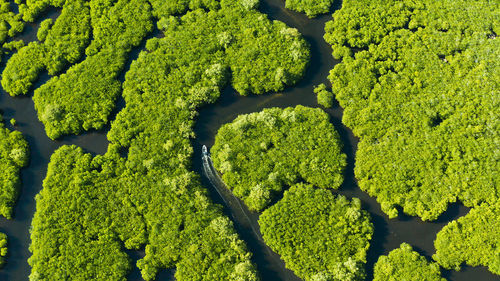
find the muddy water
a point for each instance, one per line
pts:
(388, 233)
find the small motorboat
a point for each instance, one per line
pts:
(204, 150)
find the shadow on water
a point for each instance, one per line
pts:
(389, 234)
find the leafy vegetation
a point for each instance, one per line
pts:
(14, 155)
(61, 43)
(141, 193)
(473, 239)
(319, 235)
(311, 8)
(83, 97)
(405, 264)
(3, 248)
(325, 97)
(421, 92)
(10, 25)
(259, 154)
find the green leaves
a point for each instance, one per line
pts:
(473, 239)
(325, 97)
(14, 155)
(405, 264)
(311, 8)
(260, 153)
(319, 235)
(3, 248)
(420, 93)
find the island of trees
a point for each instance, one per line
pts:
(14, 155)
(405, 264)
(319, 235)
(473, 239)
(260, 154)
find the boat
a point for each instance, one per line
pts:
(204, 151)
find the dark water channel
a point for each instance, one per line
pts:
(389, 234)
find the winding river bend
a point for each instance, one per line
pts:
(389, 234)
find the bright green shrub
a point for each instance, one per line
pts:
(325, 97)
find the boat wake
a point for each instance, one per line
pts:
(238, 213)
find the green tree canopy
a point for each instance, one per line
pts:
(473, 239)
(405, 264)
(3, 248)
(319, 235)
(14, 154)
(422, 93)
(311, 8)
(11, 24)
(324, 97)
(259, 154)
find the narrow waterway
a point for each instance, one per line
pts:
(388, 233)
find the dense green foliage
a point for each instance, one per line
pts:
(259, 154)
(14, 155)
(319, 235)
(141, 192)
(405, 264)
(10, 25)
(83, 97)
(325, 97)
(423, 95)
(473, 239)
(3, 248)
(312, 8)
(61, 43)
(89, 206)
